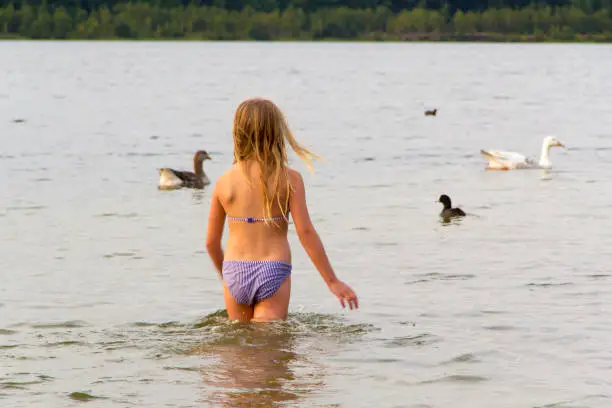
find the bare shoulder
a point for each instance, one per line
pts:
(229, 174)
(223, 180)
(295, 178)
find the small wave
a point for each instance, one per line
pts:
(20, 385)
(141, 154)
(370, 187)
(26, 208)
(460, 378)
(118, 215)
(83, 396)
(119, 254)
(6, 332)
(121, 345)
(500, 327)
(196, 369)
(365, 159)
(66, 343)
(436, 276)
(573, 403)
(492, 312)
(160, 325)
(430, 155)
(409, 341)
(548, 284)
(71, 324)
(385, 244)
(40, 379)
(374, 360)
(462, 358)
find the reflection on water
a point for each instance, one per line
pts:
(266, 364)
(199, 196)
(451, 220)
(253, 367)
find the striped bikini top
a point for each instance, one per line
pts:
(251, 220)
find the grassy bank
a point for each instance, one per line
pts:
(140, 21)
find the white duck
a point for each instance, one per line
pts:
(512, 160)
(171, 179)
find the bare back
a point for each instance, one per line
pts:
(242, 198)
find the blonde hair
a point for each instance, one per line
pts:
(260, 131)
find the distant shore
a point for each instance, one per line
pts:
(476, 38)
(145, 21)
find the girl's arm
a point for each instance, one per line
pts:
(312, 244)
(216, 222)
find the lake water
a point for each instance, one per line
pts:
(107, 293)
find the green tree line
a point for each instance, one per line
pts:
(580, 20)
(311, 5)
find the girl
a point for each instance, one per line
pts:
(256, 195)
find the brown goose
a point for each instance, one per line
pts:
(171, 179)
(431, 112)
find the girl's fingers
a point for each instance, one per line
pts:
(352, 299)
(346, 295)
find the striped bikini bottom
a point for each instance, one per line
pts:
(250, 282)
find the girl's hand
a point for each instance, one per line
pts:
(344, 293)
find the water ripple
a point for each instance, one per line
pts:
(549, 284)
(26, 207)
(462, 358)
(118, 215)
(111, 255)
(71, 324)
(500, 327)
(457, 378)
(66, 343)
(436, 276)
(83, 396)
(423, 339)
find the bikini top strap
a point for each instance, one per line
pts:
(251, 220)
